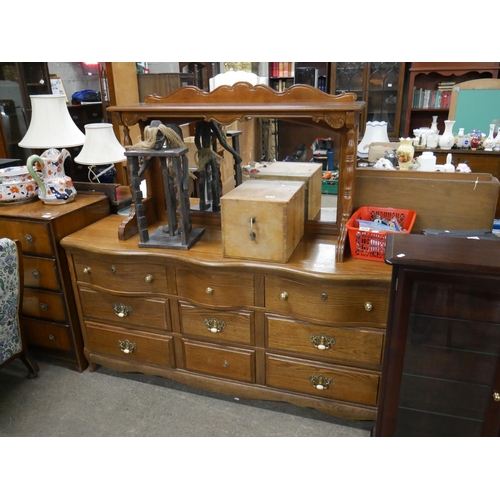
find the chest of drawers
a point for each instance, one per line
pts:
(49, 311)
(309, 332)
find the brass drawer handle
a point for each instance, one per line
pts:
(126, 346)
(283, 295)
(28, 238)
(322, 342)
(86, 270)
(320, 382)
(43, 306)
(214, 325)
(121, 310)
(149, 278)
(36, 274)
(209, 290)
(368, 306)
(496, 397)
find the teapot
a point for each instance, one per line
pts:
(55, 186)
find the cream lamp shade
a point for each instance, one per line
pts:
(51, 124)
(101, 146)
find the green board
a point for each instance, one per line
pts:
(476, 109)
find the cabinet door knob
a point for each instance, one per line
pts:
(496, 396)
(320, 382)
(86, 270)
(215, 325)
(148, 278)
(43, 306)
(36, 274)
(209, 290)
(28, 238)
(322, 342)
(368, 306)
(284, 295)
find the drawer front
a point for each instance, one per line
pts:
(217, 289)
(336, 344)
(318, 379)
(126, 277)
(44, 305)
(34, 236)
(129, 345)
(125, 311)
(47, 335)
(237, 364)
(40, 273)
(218, 325)
(346, 303)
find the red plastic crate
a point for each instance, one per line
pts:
(370, 245)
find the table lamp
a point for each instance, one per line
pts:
(51, 127)
(100, 151)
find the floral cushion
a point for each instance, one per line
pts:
(10, 339)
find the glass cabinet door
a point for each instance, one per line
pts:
(449, 379)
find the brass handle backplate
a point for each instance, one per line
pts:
(215, 325)
(322, 342)
(121, 310)
(320, 382)
(126, 346)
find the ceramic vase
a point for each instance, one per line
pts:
(434, 125)
(489, 142)
(405, 153)
(447, 140)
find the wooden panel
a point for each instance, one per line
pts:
(356, 386)
(44, 305)
(47, 335)
(34, 236)
(40, 273)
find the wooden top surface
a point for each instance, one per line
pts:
(314, 256)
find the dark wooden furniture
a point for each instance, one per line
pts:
(50, 320)
(309, 332)
(441, 374)
(300, 104)
(428, 75)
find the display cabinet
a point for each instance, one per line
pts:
(441, 370)
(436, 77)
(379, 84)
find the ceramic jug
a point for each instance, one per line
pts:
(447, 140)
(55, 186)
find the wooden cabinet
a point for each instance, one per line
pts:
(308, 332)
(441, 372)
(379, 84)
(49, 311)
(428, 76)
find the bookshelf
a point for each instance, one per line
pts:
(283, 75)
(429, 89)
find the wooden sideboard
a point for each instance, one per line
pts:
(309, 332)
(300, 104)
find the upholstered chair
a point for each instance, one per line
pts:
(12, 343)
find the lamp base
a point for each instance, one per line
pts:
(102, 173)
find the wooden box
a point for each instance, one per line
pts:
(309, 173)
(263, 220)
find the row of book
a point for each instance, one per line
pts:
(281, 69)
(431, 99)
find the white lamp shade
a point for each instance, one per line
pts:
(101, 146)
(51, 125)
(375, 132)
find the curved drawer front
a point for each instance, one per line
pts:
(129, 345)
(40, 273)
(318, 379)
(217, 289)
(34, 236)
(225, 326)
(44, 305)
(346, 303)
(47, 335)
(125, 311)
(335, 344)
(128, 276)
(237, 364)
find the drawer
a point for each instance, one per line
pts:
(344, 384)
(40, 272)
(225, 326)
(363, 304)
(237, 364)
(129, 345)
(34, 236)
(336, 344)
(44, 305)
(216, 289)
(78, 114)
(127, 311)
(127, 277)
(47, 335)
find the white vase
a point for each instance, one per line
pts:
(447, 140)
(434, 125)
(374, 132)
(489, 142)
